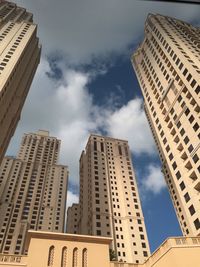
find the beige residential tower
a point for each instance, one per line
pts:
(19, 58)
(109, 199)
(33, 190)
(167, 65)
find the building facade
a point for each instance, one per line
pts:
(73, 214)
(33, 191)
(167, 65)
(19, 58)
(66, 250)
(109, 200)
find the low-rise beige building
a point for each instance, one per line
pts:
(66, 250)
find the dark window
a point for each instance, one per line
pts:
(171, 156)
(189, 77)
(192, 210)
(98, 224)
(102, 147)
(182, 132)
(179, 98)
(142, 237)
(186, 140)
(187, 197)
(95, 145)
(174, 165)
(197, 224)
(178, 175)
(195, 158)
(143, 245)
(120, 150)
(182, 186)
(191, 118)
(98, 232)
(185, 71)
(145, 253)
(196, 126)
(187, 111)
(193, 83)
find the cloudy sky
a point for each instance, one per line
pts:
(85, 84)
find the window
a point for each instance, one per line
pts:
(84, 258)
(191, 118)
(190, 148)
(95, 145)
(187, 197)
(75, 258)
(98, 232)
(195, 158)
(51, 256)
(193, 83)
(182, 132)
(171, 156)
(182, 186)
(64, 257)
(187, 111)
(189, 77)
(145, 253)
(178, 175)
(174, 165)
(185, 71)
(196, 126)
(98, 224)
(191, 210)
(186, 140)
(143, 245)
(197, 224)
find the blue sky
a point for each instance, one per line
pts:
(85, 84)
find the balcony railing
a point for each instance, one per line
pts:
(10, 258)
(169, 243)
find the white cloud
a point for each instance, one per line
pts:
(71, 198)
(83, 29)
(154, 181)
(66, 109)
(130, 123)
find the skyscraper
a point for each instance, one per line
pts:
(73, 214)
(109, 200)
(33, 191)
(19, 58)
(167, 65)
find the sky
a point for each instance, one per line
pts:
(85, 84)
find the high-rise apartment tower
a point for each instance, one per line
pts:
(33, 191)
(167, 65)
(109, 199)
(19, 58)
(73, 214)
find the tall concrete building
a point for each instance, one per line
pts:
(109, 200)
(33, 191)
(167, 65)
(19, 58)
(73, 217)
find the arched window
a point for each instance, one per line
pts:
(64, 257)
(51, 255)
(75, 258)
(84, 257)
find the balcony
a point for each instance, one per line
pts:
(14, 260)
